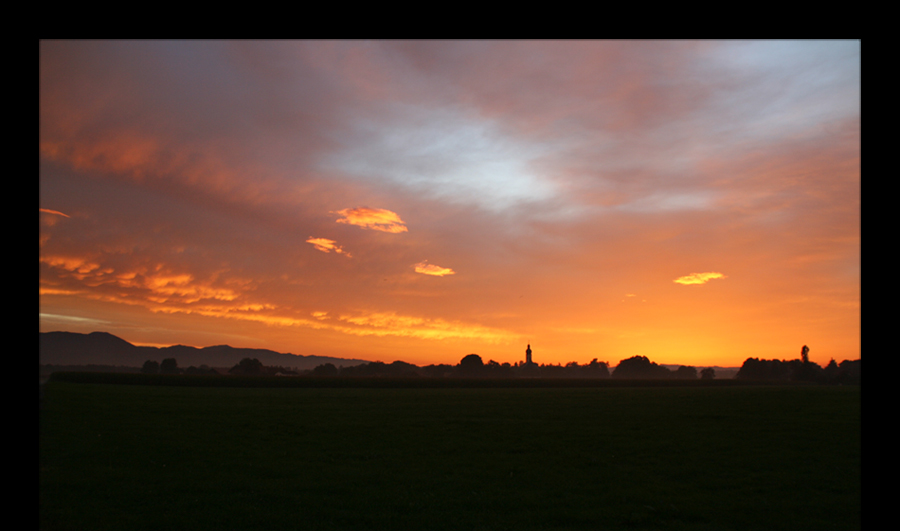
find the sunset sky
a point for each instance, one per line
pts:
(695, 202)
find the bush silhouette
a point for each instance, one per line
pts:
(640, 367)
(169, 366)
(471, 365)
(247, 366)
(686, 373)
(328, 369)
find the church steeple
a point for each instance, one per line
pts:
(528, 354)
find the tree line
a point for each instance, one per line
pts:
(470, 366)
(845, 373)
(473, 366)
(246, 366)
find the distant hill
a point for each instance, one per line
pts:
(102, 348)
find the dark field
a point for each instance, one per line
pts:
(699, 458)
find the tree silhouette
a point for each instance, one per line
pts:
(831, 371)
(327, 369)
(150, 367)
(708, 373)
(639, 367)
(686, 373)
(778, 370)
(471, 365)
(247, 366)
(169, 366)
(850, 372)
(497, 370)
(597, 369)
(202, 369)
(806, 371)
(438, 371)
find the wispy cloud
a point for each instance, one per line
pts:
(54, 318)
(48, 211)
(326, 246)
(698, 278)
(158, 285)
(372, 218)
(430, 269)
(391, 324)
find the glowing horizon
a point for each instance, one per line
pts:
(695, 202)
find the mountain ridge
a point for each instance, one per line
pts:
(103, 348)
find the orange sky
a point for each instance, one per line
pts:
(693, 202)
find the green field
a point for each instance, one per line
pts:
(131, 457)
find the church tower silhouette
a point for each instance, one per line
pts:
(528, 354)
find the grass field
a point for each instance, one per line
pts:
(692, 458)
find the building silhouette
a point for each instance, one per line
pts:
(528, 355)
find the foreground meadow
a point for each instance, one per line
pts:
(692, 458)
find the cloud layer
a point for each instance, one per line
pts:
(547, 178)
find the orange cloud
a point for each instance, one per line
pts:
(54, 291)
(430, 269)
(123, 152)
(372, 218)
(377, 324)
(77, 267)
(698, 278)
(132, 287)
(184, 288)
(381, 324)
(48, 211)
(326, 246)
